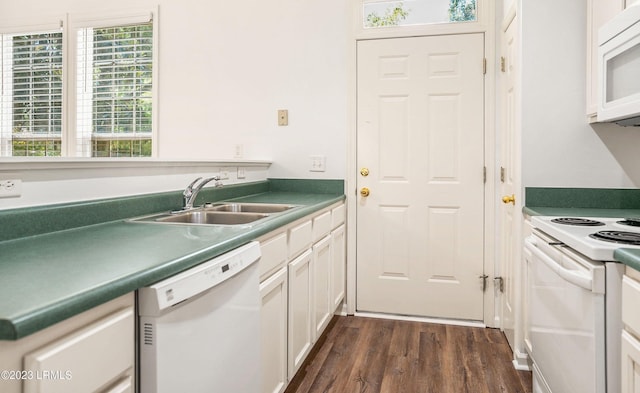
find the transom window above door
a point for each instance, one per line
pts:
(385, 13)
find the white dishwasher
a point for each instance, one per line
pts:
(200, 329)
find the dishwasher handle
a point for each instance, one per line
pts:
(576, 278)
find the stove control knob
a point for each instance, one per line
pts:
(509, 199)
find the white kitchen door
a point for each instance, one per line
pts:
(420, 141)
(509, 244)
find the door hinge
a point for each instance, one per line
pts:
(484, 66)
(498, 282)
(484, 174)
(503, 64)
(483, 281)
(502, 173)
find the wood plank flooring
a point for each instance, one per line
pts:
(370, 355)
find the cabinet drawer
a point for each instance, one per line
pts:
(630, 301)
(299, 238)
(87, 359)
(338, 215)
(274, 254)
(321, 226)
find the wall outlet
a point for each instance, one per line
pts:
(283, 117)
(223, 174)
(238, 151)
(10, 188)
(318, 164)
(241, 173)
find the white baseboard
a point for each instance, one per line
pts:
(457, 322)
(521, 361)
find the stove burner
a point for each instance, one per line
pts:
(632, 222)
(583, 222)
(617, 237)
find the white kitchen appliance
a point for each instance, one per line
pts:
(200, 329)
(573, 297)
(618, 69)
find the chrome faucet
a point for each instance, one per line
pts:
(190, 193)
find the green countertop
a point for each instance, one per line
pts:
(628, 256)
(580, 212)
(49, 277)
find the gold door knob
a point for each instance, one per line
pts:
(364, 191)
(364, 172)
(509, 199)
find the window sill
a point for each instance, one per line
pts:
(10, 164)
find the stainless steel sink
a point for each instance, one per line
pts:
(249, 207)
(213, 217)
(218, 214)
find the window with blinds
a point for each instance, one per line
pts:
(104, 105)
(31, 94)
(114, 99)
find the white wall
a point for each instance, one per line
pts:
(226, 67)
(55, 182)
(559, 148)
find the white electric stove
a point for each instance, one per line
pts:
(596, 238)
(574, 295)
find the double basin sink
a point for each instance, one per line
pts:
(227, 213)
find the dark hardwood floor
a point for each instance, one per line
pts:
(370, 355)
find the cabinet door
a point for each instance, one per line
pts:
(598, 13)
(321, 274)
(338, 267)
(630, 364)
(87, 360)
(274, 332)
(300, 303)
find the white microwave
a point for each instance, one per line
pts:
(619, 69)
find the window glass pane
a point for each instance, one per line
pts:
(384, 13)
(121, 148)
(114, 110)
(32, 94)
(37, 147)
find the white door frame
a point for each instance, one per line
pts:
(486, 25)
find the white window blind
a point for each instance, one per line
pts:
(31, 109)
(114, 91)
(94, 100)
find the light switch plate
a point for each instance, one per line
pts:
(318, 163)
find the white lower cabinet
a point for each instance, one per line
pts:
(630, 344)
(97, 358)
(274, 332)
(322, 310)
(302, 269)
(91, 352)
(630, 363)
(338, 280)
(300, 310)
